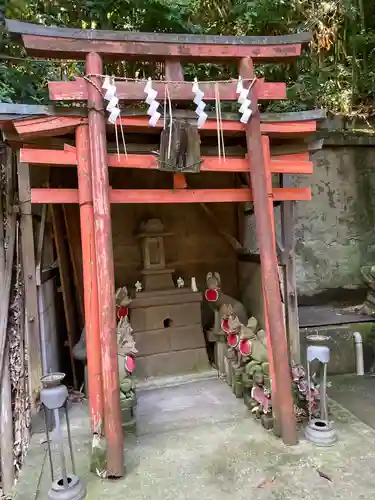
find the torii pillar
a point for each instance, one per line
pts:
(105, 269)
(263, 209)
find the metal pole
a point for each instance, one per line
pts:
(105, 270)
(49, 443)
(69, 439)
(265, 233)
(60, 440)
(90, 281)
(323, 392)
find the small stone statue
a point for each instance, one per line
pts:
(193, 285)
(138, 286)
(180, 283)
(122, 297)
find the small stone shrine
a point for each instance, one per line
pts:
(166, 320)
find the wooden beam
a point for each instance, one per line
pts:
(18, 28)
(31, 295)
(277, 127)
(40, 246)
(77, 90)
(288, 164)
(48, 195)
(76, 49)
(10, 112)
(6, 272)
(64, 269)
(47, 126)
(105, 270)
(261, 185)
(71, 216)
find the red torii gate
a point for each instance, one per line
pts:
(95, 195)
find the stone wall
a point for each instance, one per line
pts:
(335, 231)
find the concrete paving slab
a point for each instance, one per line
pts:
(197, 441)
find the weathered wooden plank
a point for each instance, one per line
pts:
(21, 28)
(47, 126)
(40, 246)
(6, 429)
(66, 48)
(290, 164)
(290, 127)
(53, 196)
(31, 296)
(77, 90)
(6, 268)
(22, 111)
(25, 111)
(71, 215)
(64, 267)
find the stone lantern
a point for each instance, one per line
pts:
(156, 275)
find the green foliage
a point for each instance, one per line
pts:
(337, 71)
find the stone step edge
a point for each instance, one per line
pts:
(174, 380)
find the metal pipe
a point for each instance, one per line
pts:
(359, 353)
(48, 437)
(265, 233)
(69, 438)
(92, 328)
(60, 441)
(323, 392)
(105, 269)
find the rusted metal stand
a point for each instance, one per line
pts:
(92, 328)
(105, 270)
(265, 232)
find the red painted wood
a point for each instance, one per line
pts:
(42, 127)
(48, 157)
(70, 148)
(260, 182)
(179, 181)
(105, 273)
(47, 126)
(92, 327)
(279, 164)
(49, 195)
(300, 127)
(70, 48)
(134, 91)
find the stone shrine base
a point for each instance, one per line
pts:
(197, 440)
(168, 333)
